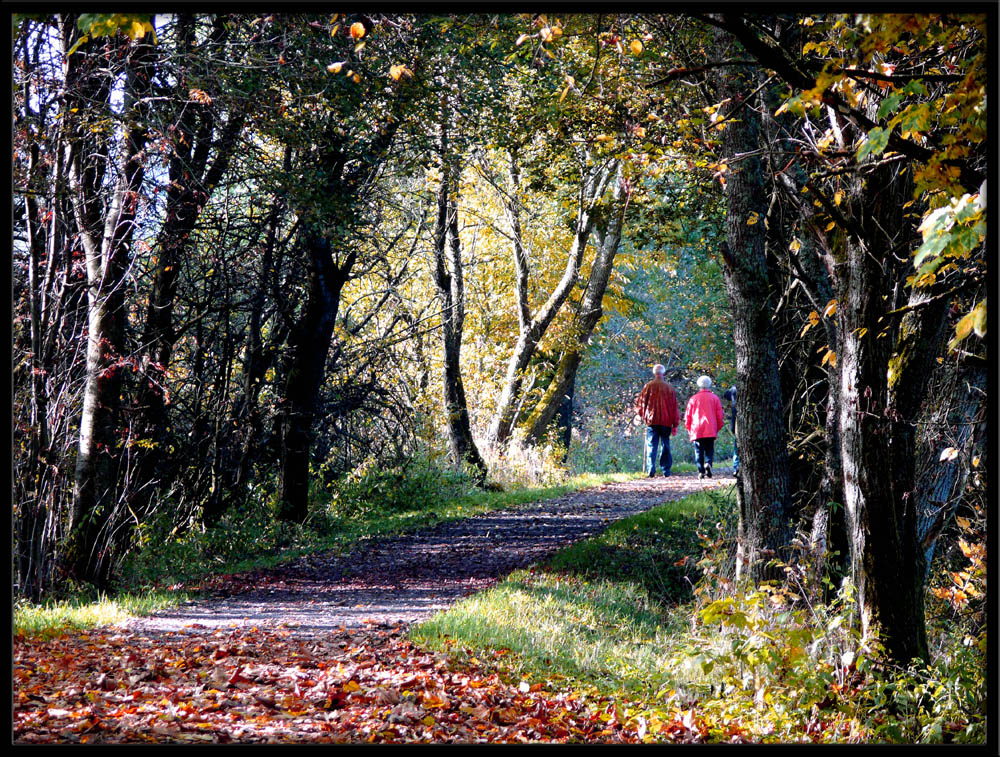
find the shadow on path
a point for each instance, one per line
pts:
(409, 578)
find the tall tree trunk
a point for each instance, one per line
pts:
(310, 345)
(448, 279)
(558, 398)
(814, 263)
(322, 227)
(107, 248)
(592, 185)
(764, 476)
(877, 438)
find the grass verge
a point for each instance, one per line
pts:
(601, 613)
(53, 618)
(244, 543)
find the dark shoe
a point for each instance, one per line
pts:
(708, 473)
(666, 474)
(701, 475)
(652, 475)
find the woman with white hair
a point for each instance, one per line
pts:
(703, 419)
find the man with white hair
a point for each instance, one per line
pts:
(703, 419)
(657, 408)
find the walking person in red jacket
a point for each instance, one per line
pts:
(657, 407)
(703, 419)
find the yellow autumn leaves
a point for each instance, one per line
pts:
(357, 31)
(972, 322)
(829, 356)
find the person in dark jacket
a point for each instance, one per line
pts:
(657, 408)
(730, 394)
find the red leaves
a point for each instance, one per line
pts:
(255, 686)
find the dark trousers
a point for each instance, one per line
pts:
(658, 436)
(704, 453)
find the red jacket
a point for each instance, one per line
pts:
(704, 416)
(657, 404)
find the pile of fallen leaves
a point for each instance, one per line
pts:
(259, 685)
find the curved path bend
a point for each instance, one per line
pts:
(408, 578)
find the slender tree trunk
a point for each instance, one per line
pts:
(764, 476)
(449, 281)
(592, 186)
(192, 177)
(260, 354)
(828, 539)
(106, 243)
(558, 398)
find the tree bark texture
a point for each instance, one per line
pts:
(449, 281)
(957, 420)
(875, 437)
(764, 477)
(106, 239)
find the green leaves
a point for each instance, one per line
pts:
(133, 25)
(874, 144)
(953, 230)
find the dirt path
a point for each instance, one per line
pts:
(409, 578)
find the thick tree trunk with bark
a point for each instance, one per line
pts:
(310, 346)
(764, 480)
(876, 434)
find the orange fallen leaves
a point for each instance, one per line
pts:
(260, 686)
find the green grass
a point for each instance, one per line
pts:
(258, 541)
(603, 612)
(625, 617)
(54, 618)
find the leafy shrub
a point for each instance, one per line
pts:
(775, 663)
(417, 485)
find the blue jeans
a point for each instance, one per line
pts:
(704, 453)
(655, 437)
(736, 460)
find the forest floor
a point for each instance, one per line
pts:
(316, 649)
